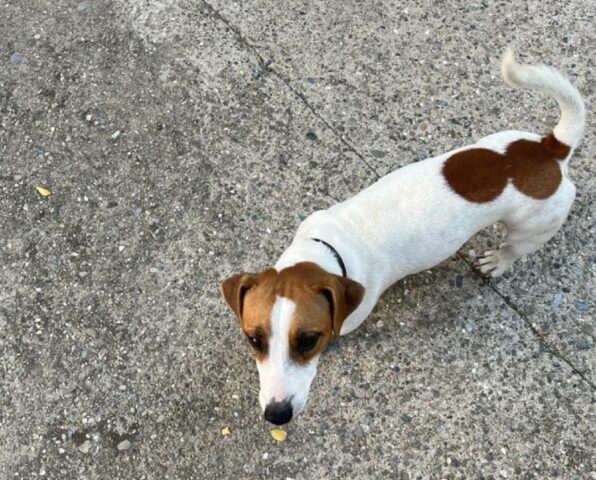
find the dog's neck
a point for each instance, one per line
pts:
(309, 250)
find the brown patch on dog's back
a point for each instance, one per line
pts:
(480, 175)
(536, 171)
(477, 174)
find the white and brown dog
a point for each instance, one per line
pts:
(342, 259)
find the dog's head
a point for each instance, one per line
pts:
(289, 317)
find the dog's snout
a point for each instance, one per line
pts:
(279, 412)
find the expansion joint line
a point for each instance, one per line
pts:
(554, 351)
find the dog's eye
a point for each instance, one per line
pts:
(255, 342)
(306, 343)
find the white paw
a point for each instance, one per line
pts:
(494, 262)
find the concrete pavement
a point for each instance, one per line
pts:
(184, 141)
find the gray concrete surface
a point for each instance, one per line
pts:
(177, 141)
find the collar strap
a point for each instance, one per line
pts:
(335, 254)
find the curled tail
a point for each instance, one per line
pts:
(548, 80)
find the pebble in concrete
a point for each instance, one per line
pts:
(16, 58)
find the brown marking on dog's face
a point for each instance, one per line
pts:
(480, 175)
(255, 318)
(252, 308)
(323, 301)
(311, 329)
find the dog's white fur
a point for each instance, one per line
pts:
(549, 81)
(411, 220)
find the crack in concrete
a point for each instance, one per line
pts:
(337, 200)
(266, 67)
(554, 351)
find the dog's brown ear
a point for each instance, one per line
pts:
(344, 296)
(234, 289)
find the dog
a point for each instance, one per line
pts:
(342, 259)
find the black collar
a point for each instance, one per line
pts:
(335, 254)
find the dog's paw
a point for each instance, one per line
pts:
(494, 262)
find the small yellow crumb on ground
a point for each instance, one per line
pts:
(44, 192)
(225, 431)
(279, 434)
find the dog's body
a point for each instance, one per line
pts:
(411, 220)
(408, 221)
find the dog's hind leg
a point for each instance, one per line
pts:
(527, 233)
(518, 243)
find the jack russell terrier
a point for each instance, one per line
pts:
(343, 258)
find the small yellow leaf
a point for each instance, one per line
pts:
(279, 434)
(44, 192)
(225, 431)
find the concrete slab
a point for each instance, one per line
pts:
(174, 158)
(155, 180)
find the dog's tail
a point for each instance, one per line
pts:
(548, 80)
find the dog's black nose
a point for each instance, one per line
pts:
(278, 412)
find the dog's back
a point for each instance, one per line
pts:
(421, 214)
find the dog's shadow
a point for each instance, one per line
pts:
(429, 304)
